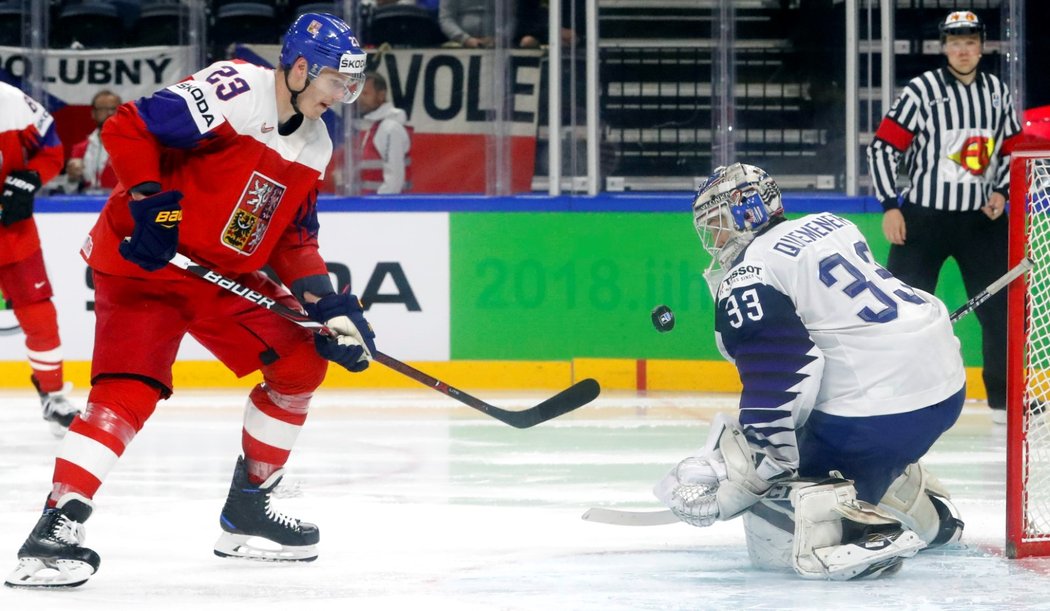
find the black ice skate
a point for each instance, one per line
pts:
(252, 529)
(57, 409)
(52, 556)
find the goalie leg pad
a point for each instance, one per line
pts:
(923, 504)
(838, 537)
(769, 527)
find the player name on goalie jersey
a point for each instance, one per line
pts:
(812, 231)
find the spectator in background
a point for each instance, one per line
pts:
(470, 23)
(533, 23)
(385, 141)
(30, 155)
(958, 124)
(90, 155)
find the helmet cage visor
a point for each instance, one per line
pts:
(344, 87)
(740, 210)
(722, 238)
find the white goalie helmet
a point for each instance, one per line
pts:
(735, 203)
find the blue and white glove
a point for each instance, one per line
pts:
(155, 238)
(353, 345)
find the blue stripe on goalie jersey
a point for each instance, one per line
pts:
(771, 347)
(169, 120)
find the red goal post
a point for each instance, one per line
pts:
(1028, 357)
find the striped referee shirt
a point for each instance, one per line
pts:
(958, 137)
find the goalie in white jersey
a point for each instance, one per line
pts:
(845, 370)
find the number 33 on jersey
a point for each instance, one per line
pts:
(807, 301)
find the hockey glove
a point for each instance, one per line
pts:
(353, 345)
(155, 238)
(16, 200)
(722, 481)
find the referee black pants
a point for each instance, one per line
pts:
(979, 246)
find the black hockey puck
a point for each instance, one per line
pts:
(663, 318)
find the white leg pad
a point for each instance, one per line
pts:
(769, 527)
(908, 500)
(838, 537)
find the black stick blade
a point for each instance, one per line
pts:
(573, 397)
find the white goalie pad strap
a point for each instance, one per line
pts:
(908, 500)
(838, 537)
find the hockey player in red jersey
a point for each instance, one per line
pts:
(222, 167)
(30, 155)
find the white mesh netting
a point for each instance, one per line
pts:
(1036, 427)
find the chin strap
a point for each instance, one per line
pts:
(295, 94)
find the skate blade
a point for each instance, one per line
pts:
(41, 573)
(232, 545)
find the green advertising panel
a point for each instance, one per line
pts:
(563, 285)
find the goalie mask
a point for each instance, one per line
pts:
(735, 203)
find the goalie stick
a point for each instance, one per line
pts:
(993, 288)
(629, 518)
(577, 395)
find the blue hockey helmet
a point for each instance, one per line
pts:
(732, 205)
(961, 23)
(325, 41)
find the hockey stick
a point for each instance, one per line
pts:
(993, 288)
(629, 518)
(577, 395)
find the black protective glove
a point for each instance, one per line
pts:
(155, 238)
(353, 345)
(16, 199)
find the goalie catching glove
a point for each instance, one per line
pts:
(352, 344)
(723, 481)
(16, 199)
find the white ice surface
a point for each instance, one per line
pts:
(424, 505)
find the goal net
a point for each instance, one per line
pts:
(1028, 358)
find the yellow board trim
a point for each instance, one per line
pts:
(613, 374)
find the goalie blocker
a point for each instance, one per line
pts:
(819, 529)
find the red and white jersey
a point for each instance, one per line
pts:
(28, 141)
(249, 193)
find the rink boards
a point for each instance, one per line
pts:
(490, 299)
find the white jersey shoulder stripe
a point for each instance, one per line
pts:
(21, 111)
